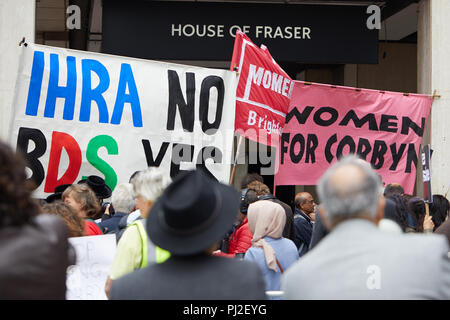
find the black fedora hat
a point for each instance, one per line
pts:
(58, 193)
(192, 214)
(98, 185)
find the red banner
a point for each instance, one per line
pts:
(326, 122)
(263, 92)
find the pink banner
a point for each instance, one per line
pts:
(325, 122)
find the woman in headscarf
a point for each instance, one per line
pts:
(273, 253)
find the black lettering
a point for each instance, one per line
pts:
(325, 123)
(284, 138)
(180, 153)
(207, 84)
(408, 123)
(176, 98)
(311, 145)
(364, 148)
(386, 125)
(301, 117)
(149, 153)
(411, 158)
(369, 118)
(32, 158)
(379, 150)
(330, 142)
(298, 138)
(346, 141)
(396, 155)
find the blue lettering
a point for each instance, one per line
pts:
(34, 91)
(88, 94)
(55, 91)
(127, 79)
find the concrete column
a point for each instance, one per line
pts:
(433, 65)
(17, 20)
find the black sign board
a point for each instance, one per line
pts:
(426, 172)
(172, 30)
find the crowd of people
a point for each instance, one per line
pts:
(196, 238)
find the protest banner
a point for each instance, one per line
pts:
(426, 174)
(326, 122)
(263, 92)
(79, 113)
(86, 279)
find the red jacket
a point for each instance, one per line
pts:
(239, 241)
(91, 228)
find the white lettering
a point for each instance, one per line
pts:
(267, 32)
(297, 31)
(277, 81)
(211, 31)
(176, 30)
(232, 28)
(192, 30)
(288, 31)
(200, 34)
(267, 79)
(251, 118)
(306, 32)
(374, 280)
(254, 75)
(278, 33)
(285, 87)
(220, 30)
(259, 30)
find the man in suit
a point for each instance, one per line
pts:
(356, 260)
(188, 220)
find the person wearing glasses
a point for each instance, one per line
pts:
(304, 216)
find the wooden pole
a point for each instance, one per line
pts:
(236, 159)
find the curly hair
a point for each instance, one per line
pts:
(84, 195)
(17, 208)
(259, 187)
(73, 221)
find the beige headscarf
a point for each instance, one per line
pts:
(266, 218)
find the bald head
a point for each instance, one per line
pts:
(346, 179)
(305, 202)
(348, 189)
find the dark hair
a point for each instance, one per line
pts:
(73, 221)
(259, 187)
(250, 178)
(393, 188)
(439, 210)
(416, 207)
(401, 210)
(17, 208)
(248, 196)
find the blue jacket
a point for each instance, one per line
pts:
(111, 225)
(303, 231)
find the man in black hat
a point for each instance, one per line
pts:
(188, 220)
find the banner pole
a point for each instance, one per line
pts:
(235, 160)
